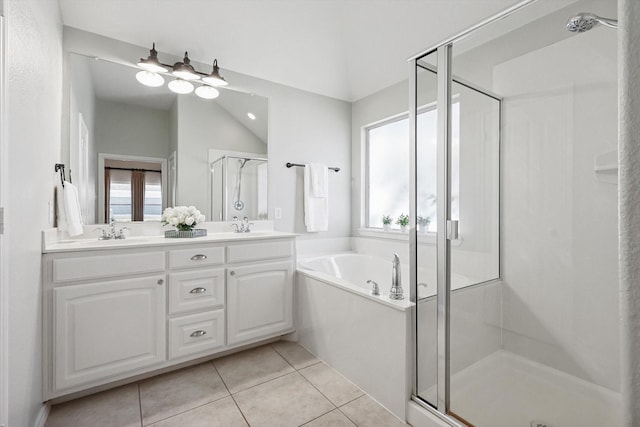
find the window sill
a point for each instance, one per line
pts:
(428, 237)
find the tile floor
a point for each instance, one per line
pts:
(279, 384)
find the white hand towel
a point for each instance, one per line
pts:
(61, 220)
(319, 179)
(72, 210)
(316, 209)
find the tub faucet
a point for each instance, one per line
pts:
(396, 285)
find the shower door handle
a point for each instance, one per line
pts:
(452, 229)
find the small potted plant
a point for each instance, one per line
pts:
(403, 221)
(423, 223)
(386, 222)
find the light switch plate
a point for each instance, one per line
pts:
(277, 213)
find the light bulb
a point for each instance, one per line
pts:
(180, 86)
(185, 74)
(251, 116)
(148, 78)
(207, 92)
(214, 81)
(151, 66)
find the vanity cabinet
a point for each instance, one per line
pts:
(110, 314)
(260, 300)
(107, 328)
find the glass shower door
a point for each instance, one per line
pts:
(425, 118)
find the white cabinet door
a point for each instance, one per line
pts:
(259, 301)
(105, 329)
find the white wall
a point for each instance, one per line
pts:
(303, 127)
(559, 220)
(34, 95)
(131, 130)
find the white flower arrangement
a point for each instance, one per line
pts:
(182, 217)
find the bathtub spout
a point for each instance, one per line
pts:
(396, 281)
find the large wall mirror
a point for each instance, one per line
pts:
(135, 150)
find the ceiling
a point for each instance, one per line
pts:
(346, 49)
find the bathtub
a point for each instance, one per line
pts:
(366, 338)
(351, 271)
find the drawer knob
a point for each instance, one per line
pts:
(196, 334)
(197, 290)
(233, 273)
(160, 282)
(198, 257)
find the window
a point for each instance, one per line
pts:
(387, 167)
(131, 189)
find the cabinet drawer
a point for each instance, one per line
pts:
(102, 266)
(259, 251)
(196, 290)
(196, 333)
(196, 257)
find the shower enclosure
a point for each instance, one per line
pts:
(514, 132)
(238, 188)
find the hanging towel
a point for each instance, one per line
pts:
(72, 209)
(61, 219)
(319, 179)
(316, 209)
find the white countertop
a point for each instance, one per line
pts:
(93, 244)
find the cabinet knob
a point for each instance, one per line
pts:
(198, 257)
(196, 334)
(197, 290)
(233, 273)
(160, 282)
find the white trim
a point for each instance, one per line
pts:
(4, 252)
(103, 156)
(43, 414)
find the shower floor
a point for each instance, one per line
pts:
(507, 390)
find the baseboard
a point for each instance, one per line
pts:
(43, 414)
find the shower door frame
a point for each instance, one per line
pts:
(445, 79)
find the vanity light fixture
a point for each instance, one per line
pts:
(184, 69)
(184, 74)
(152, 63)
(207, 92)
(215, 79)
(149, 78)
(180, 86)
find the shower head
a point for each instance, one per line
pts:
(585, 21)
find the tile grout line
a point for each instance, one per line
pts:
(231, 394)
(291, 364)
(190, 409)
(139, 403)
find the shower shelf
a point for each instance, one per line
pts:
(605, 166)
(606, 162)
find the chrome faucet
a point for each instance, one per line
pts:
(113, 233)
(396, 285)
(242, 227)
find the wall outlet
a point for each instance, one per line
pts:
(277, 213)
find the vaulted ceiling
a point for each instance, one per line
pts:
(346, 49)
